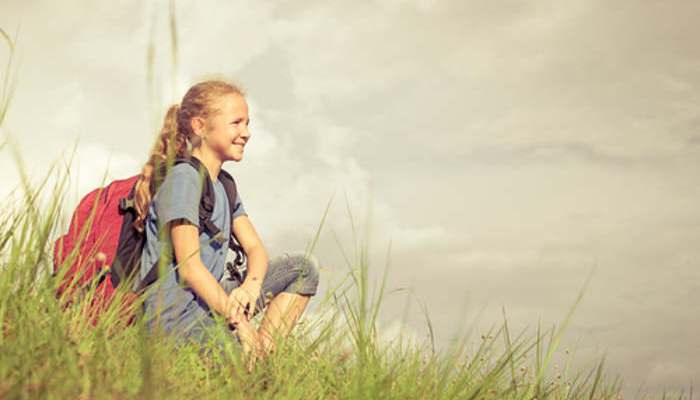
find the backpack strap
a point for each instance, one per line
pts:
(231, 189)
(128, 252)
(208, 199)
(231, 192)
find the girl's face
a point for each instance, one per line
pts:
(228, 129)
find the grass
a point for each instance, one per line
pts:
(48, 351)
(51, 352)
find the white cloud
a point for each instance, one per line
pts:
(93, 165)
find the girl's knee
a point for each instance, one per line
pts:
(307, 266)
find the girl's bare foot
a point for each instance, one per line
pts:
(250, 342)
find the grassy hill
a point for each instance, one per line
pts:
(51, 352)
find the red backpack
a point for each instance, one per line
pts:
(102, 248)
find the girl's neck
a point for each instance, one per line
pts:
(209, 160)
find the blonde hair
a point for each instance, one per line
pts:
(176, 137)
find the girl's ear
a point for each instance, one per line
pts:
(198, 125)
(199, 128)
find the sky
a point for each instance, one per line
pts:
(493, 154)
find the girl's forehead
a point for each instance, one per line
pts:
(232, 105)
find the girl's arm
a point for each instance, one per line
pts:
(185, 238)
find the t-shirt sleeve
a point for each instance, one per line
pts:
(178, 196)
(240, 210)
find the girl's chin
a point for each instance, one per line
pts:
(233, 152)
(238, 156)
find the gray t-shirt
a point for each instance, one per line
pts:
(181, 310)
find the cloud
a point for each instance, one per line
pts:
(92, 166)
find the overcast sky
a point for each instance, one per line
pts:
(506, 149)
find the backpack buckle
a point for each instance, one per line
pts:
(126, 203)
(219, 238)
(234, 273)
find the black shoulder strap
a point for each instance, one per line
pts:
(208, 199)
(231, 192)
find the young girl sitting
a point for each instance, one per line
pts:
(211, 124)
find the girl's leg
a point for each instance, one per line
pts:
(282, 314)
(291, 280)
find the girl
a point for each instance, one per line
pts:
(211, 124)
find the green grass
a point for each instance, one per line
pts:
(49, 352)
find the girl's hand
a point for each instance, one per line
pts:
(241, 303)
(251, 343)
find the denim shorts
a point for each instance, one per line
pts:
(291, 272)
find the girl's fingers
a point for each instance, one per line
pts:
(232, 314)
(240, 306)
(239, 309)
(236, 310)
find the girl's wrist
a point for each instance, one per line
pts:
(252, 282)
(224, 305)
